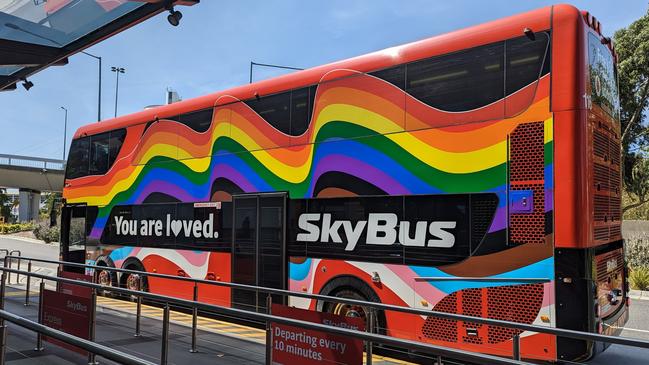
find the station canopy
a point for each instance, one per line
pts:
(36, 34)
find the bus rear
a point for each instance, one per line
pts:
(592, 295)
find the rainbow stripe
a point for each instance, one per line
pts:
(361, 126)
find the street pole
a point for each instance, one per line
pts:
(65, 130)
(99, 83)
(117, 70)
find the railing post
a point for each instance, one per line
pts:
(138, 315)
(3, 326)
(194, 320)
(17, 274)
(8, 265)
(516, 344)
(29, 281)
(269, 333)
(165, 335)
(370, 329)
(39, 337)
(91, 329)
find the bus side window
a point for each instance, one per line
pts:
(77, 165)
(99, 154)
(525, 61)
(199, 121)
(302, 104)
(460, 81)
(274, 109)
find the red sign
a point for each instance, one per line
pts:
(67, 313)
(78, 290)
(295, 345)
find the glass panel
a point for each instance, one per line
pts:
(77, 165)
(460, 81)
(395, 75)
(199, 121)
(57, 23)
(114, 145)
(301, 109)
(244, 251)
(603, 77)
(99, 154)
(275, 109)
(524, 60)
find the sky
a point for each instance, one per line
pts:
(212, 48)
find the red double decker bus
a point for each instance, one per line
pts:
(475, 172)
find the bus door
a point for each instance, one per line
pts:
(259, 248)
(73, 237)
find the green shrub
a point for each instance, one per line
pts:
(44, 232)
(639, 278)
(15, 227)
(637, 250)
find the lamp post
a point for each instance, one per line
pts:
(99, 91)
(65, 130)
(117, 70)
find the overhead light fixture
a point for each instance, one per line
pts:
(174, 17)
(27, 84)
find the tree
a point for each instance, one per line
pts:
(5, 205)
(632, 47)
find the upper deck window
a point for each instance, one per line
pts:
(289, 112)
(94, 155)
(473, 78)
(603, 77)
(459, 81)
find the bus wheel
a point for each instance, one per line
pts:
(356, 311)
(104, 278)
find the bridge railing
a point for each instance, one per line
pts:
(33, 162)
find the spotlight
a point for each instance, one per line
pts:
(174, 17)
(27, 84)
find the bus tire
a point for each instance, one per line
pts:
(132, 281)
(352, 288)
(106, 277)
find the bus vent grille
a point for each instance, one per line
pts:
(526, 172)
(518, 303)
(601, 233)
(472, 306)
(442, 329)
(529, 228)
(602, 264)
(483, 208)
(606, 181)
(527, 152)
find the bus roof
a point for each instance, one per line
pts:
(512, 26)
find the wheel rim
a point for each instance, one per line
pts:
(347, 310)
(104, 278)
(133, 282)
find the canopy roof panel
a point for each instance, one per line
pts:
(35, 34)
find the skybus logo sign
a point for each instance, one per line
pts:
(379, 229)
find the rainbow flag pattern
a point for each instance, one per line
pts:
(361, 127)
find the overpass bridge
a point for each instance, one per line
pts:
(31, 176)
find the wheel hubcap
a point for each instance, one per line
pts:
(133, 282)
(104, 278)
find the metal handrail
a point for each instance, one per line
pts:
(262, 317)
(588, 336)
(98, 349)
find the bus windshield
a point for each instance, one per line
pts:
(603, 77)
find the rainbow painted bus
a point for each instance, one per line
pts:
(475, 172)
